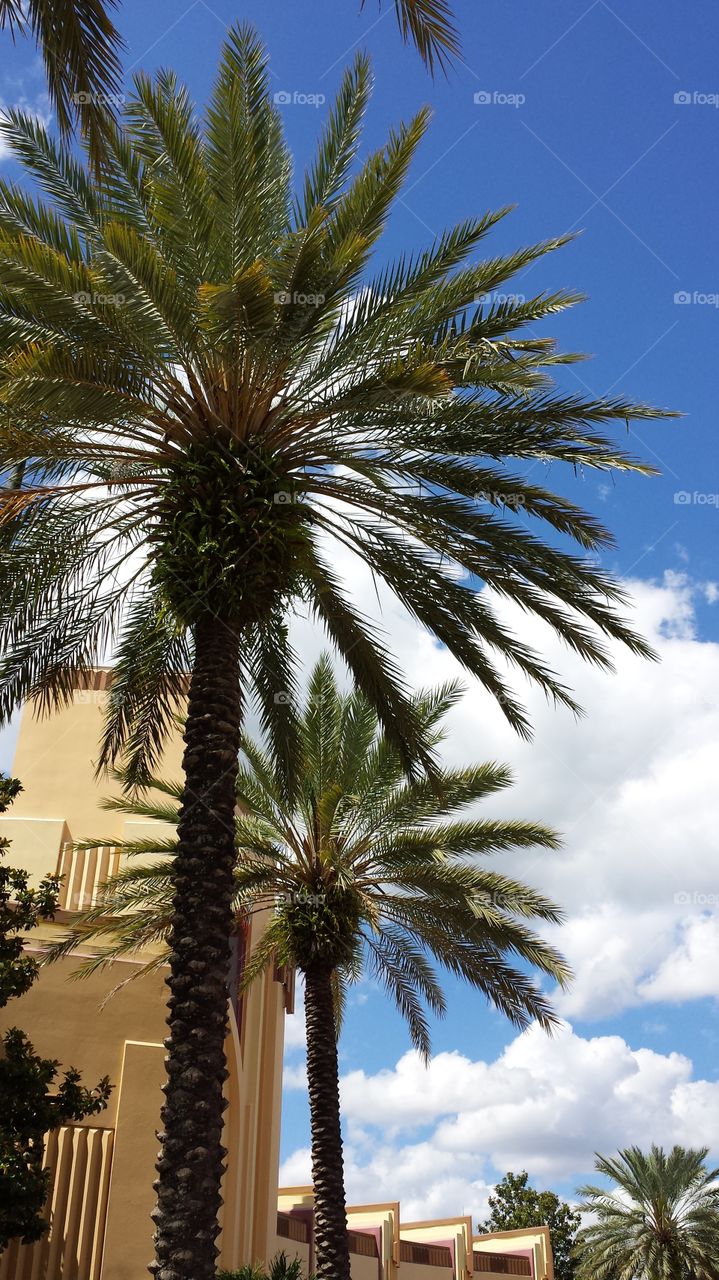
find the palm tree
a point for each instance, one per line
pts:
(208, 390)
(80, 47)
(661, 1222)
(361, 871)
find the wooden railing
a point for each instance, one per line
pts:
(297, 1229)
(290, 1228)
(503, 1264)
(363, 1243)
(428, 1255)
(83, 872)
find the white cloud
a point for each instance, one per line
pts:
(433, 1136)
(23, 88)
(631, 786)
(692, 968)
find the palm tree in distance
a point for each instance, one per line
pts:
(362, 871)
(207, 389)
(660, 1222)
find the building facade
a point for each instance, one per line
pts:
(103, 1169)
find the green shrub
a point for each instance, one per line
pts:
(281, 1268)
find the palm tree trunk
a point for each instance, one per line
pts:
(191, 1161)
(332, 1259)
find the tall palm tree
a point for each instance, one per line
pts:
(362, 871)
(208, 390)
(80, 47)
(660, 1222)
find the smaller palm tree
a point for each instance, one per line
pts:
(360, 870)
(661, 1222)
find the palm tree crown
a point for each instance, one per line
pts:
(204, 389)
(359, 867)
(660, 1223)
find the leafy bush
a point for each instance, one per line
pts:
(281, 1268)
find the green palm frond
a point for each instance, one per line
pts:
(429, 26)
(351, 861)
(80, 47)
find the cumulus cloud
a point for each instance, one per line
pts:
(437, 1136)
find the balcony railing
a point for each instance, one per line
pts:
(427, 1255)
(83, 873)
(290, 1228)
(363, 1243)
(502, 1264)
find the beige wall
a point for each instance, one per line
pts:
(64, 1020)
(363, 1268)
(55, 762)
(61, 801)
(417, 1271)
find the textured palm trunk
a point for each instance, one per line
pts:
(332, 1259)
(191, 1160)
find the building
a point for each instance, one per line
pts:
(103, 1169)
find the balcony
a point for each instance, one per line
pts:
(427, 1255)
(502, 1264)
(83, 873)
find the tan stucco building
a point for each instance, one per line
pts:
(103, 1169)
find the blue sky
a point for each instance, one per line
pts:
(611, 129)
